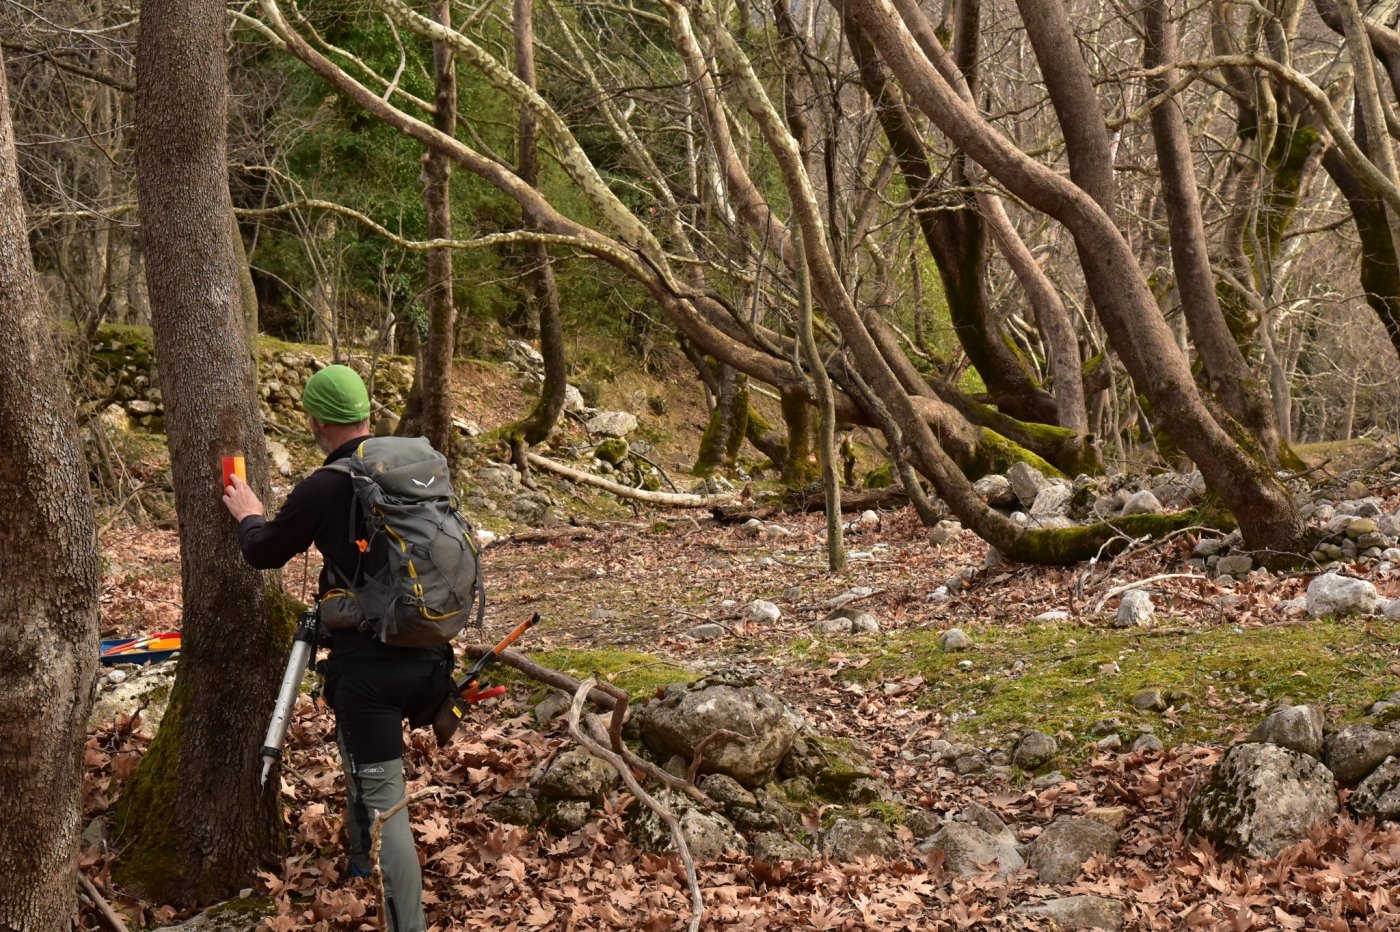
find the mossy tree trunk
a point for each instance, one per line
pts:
(48, 601)
(193, 824)
(727, 426)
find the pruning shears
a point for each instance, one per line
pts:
(471, 688)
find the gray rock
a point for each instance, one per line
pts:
(1356, 750)
(573, 400)
(751, 528)
(850, 595)
(773, 847)
(569, 816)
(1391, 608)
(1134, 610)
(1034, 750)
(687, 714)
(1059, 853)
(955, 639)
(96, 834)
(707, 632)
(1150, 700)
(839, 625)
(762, 612)
(707, 834)
(726, 791)
(552, 706)
(1298, 728)
(1148, 744)
(1330, 594)
(515, 809)
(1293, 606)
(497, 479)
(989, 822)
(523, 355)
(1262, 798)
(575, 774)
(865, 624)
(967, 850)
(281, 459)
(1053, 501)
(1053, 615)
(1079, 912)
(1378, 796)
(612, 423)
(1026, 482)
(995, 490)
(1110, 743)
(858, 839)
(1236, 564)
(943, 532)
(1047, 780)
(1208, 547)
(922, 822)
(1142, 503)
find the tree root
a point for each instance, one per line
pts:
(594, 747)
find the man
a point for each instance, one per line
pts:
(371, 686)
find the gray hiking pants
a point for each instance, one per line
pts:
(377, 787)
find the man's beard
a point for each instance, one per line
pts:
(322, 442)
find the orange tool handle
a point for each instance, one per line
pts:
(511, 638)
(467, 685)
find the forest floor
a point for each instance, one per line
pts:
(617, 598)
(619, 588)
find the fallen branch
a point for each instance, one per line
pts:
(1128, 587)
(539, 673)
(376, 834)
(107, 912)
(698, 757)
(625, 772)
(673, 499)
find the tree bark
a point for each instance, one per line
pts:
(1258, 500)
(436, 357)
(48, 602)
(539, 277)
(1227, 373)
(192, 822)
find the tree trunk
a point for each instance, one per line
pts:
(48, 602)
(1227, 373)
(435, 384)
(540, 274)
(1138, 333)
(193, 823)
(826, 433)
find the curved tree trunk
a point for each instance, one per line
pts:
(1227, 373)
(192, 822)
(48, 601)
(1263, 507)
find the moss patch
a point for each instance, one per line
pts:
(640, 674)
(1226, 675)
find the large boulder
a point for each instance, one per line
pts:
(995, 490)
(687, 714)
(1330, 594)
(1053, 501)
(1059, 853)
(968, 850)
(1298, 728)
(1261, 799)
(1356, 750)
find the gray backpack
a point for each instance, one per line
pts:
(421, 570)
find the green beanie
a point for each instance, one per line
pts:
(336, 395)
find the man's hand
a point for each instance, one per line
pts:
(240, 499)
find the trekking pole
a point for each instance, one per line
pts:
(470, 688)
(303, 649)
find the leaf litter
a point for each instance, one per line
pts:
(640, 587)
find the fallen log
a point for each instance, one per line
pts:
(670, 499)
